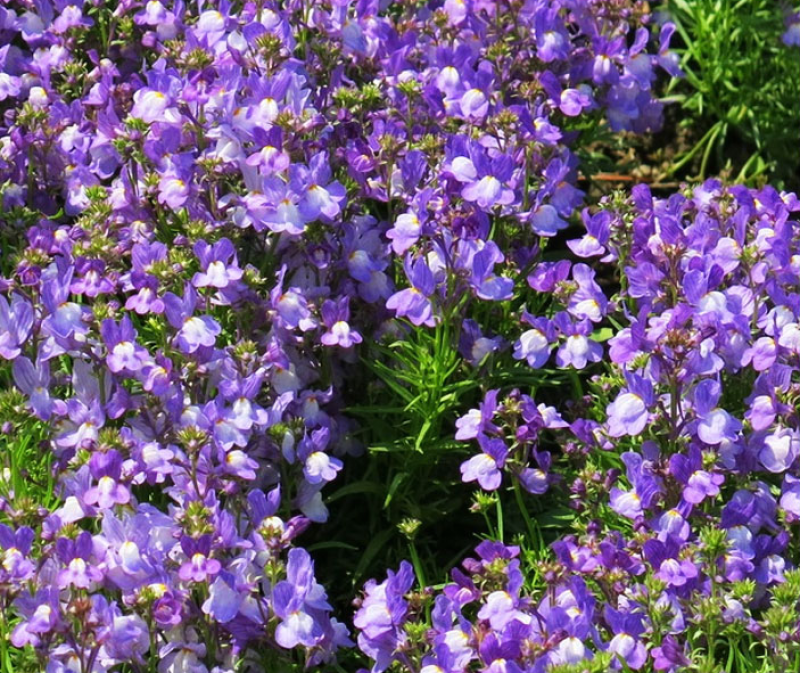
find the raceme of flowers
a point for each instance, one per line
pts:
(209, 210)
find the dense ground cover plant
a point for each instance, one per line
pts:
(252, 249)
(680, 466)
(739, 95)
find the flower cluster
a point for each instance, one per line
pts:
(699, 403)
(210, 212)
(487, 617)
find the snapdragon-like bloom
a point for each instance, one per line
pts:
(645, 486)
(124, 353)
(715, 424)
(414, 302)
(194, 331)
(382, 615)
(485, 180)
(536, 344)
(335, 316)
(780, 450)
(218, 264)
(79, 571)
(478, 421)
(485, 468)
(629, 412)
(16, 321)
(198, 566)
(107, 469)
(34, 380)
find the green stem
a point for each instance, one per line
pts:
(709, 147)
(500, 526)
(576, 383)
(5, 655)
(488, 524)
(691, 153)
(533, 532)
(419, 571)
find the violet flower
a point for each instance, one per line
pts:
(629, 412)
(414, 303)
(194, 332)
(485, 468)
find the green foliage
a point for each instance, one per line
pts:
(418, 373)
(26, 478)
(27, 484)
(741, 88)
(409, 488)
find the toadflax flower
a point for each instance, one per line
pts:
(629, 412)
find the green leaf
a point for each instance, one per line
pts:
(374, 546)
(357, 487)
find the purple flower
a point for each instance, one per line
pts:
(278, 207)
(790, 497)
(598, 231)
(156, 375)
(791, 38)
(16, 547)
(780, 450)
(646, 487)
(669, 656)
(486, 284)
(16, 321)
(194, 332)
(588, 301)
(34, 381)
(199, 566)
(547, 275)
(552, 39)
(699, 484)
(629, 412)
(129, 637)
(271, 158)
(382, 615)
(627, 628)
(291, 307)
(534, 480)
(405, 232)
(577, 349)
(474, 346)
(545, 220)
(218, 264)
(124, 354)
(299, 601)
(40, 616)
(318, 466)
(150, 106)
(319, 197)
(478, 421)
(173, 190)
(762, 354)
(107, 469)
(93, 280)
(414, 303)
(485, 180)
(485, 468)
(81, 430)
(335, 315)
(146, 300)
(64, 318)
(536, 344)
(79, 572)
(714, 424)
(676, 573)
